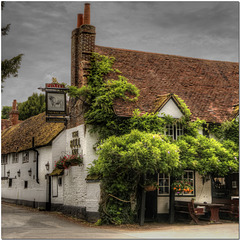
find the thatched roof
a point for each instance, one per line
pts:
(19, 137)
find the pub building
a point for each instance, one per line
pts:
(30, 149)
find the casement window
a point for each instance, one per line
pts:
(164, 183)
(4, 159)
(189, 176)
(15, 158)
(25, 157)
(174, 130)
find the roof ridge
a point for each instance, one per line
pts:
(164, 54)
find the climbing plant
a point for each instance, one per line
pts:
(122, 162)
(130, 148)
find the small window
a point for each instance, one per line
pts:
(174, 130)
(35, 157)
(10, 182)
(15, 158)
(25, 157)
(60, 181)
(189, 176)
(164, 183)
(4, 159)
(25, 184)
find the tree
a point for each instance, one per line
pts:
(33, 106)
(9, 66)
(5, 112)
(121, 164)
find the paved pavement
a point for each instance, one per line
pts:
(21, 222)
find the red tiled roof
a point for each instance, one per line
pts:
(209, 88)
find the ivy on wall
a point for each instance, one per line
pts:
(132, 147)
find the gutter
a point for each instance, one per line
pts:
(34, 149)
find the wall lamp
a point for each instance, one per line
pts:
(30, 172)
(19, 173)
(8, 173)
(47, 166)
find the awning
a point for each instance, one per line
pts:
(57, 172)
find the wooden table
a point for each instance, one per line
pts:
(214, 209)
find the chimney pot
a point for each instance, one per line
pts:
(14, 114)
(87, 13)
(79, 20)
(14, 105)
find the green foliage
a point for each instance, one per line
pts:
(186, 111)
(9, 66)
(5, 112)
(227, 130)
(121, 163)
(207, 155)
(99, 95)
(33, 106)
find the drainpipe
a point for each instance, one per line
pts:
(33, 148)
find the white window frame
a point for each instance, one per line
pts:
(166, 183)
(15, 158)
(4, 159)
(174, 130)
(25, 157)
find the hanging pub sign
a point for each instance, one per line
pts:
(56, 103)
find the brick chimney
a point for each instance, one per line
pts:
(83, 44)
(14, 114)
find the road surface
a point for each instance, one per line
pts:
(21, 222)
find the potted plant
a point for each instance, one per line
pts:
(69, 160)
(182, 186)
(150, 185)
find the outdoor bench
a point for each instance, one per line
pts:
(231, 207)
(188, 208)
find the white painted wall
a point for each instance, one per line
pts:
(171, 109)
(34, 191)
(58, 149)
(77, 192)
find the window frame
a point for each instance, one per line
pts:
(15, 157)
(174, 130)
(4, 159)
(25, 157)
(176, 195)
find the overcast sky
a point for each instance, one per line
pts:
(42, 32)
